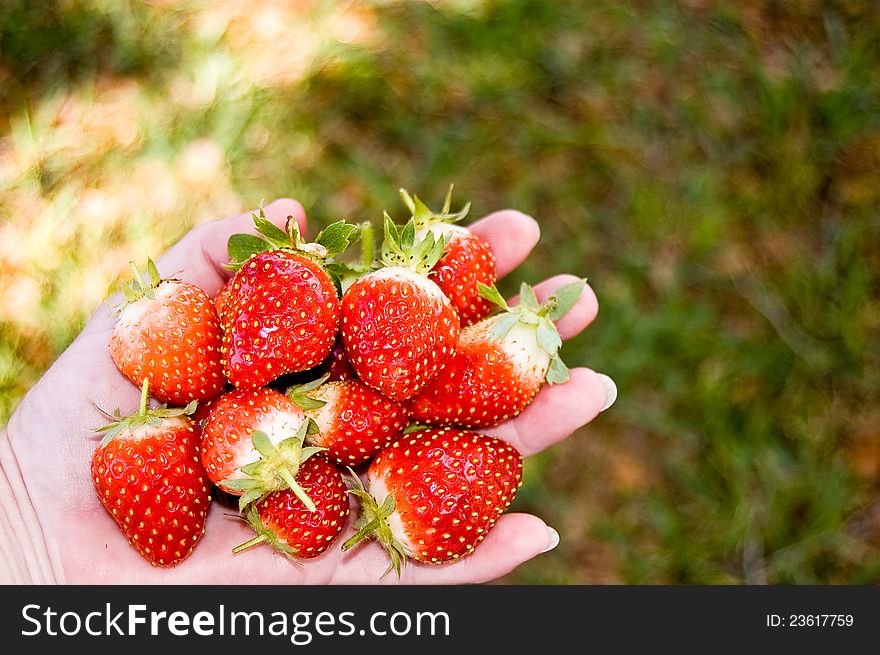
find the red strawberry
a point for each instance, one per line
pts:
(500, 363)
(467, 258)
(252, 443)
(354, 422)
(148, 475)
(433, 495)
(168, 332)
(398, 327)
(283, 521)
(281, 312)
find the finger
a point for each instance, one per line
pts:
(199, 256)
(516, 538)
(578, 317)
(511, 236)
(556, 412)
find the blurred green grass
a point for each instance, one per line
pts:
(712, 167)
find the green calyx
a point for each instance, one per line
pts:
(330, 242)
(144, 416)
(541, 317)
(373, 524)
(299, 394)
(264, 535)
(142, 285)
(277, 467)
(401, 248)
(425, 217)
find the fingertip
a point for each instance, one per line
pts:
(511, 235)
(523, 537)
(572, 405)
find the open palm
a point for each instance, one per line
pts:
(50, 439)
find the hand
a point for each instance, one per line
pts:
(54, 529)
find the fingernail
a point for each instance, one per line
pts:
(610, 391)
(554, 539)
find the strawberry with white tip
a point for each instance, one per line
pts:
(500, 363)
(252, 444)
(168, 332)
(398, 327)
(434, 495)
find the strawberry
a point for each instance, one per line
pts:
(168, 332)
(467, 258)
(398, 327)
(354, 421)
(148, 475)
(282, 520)
(252, 444)
(281, 311)
(500, 363)
(433, 495)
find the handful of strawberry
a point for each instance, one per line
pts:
(304, 364)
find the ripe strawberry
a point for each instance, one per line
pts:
(398, 327)
(500, 363)
(281, 311)
(168, 332)
(283, 521)
(354, 422)
(148, 475)
(252, 444)
(433, 495)
(467, 258)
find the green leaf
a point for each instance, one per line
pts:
(558, 372)
(548, 337)
(153, 276)
(564, 299)
(337, 236)
(527, 297)
(408, 236)
(492, 294)
(504, 325)
(272, 232)
(262, 443)
(241, 484)
(387, 507)
(306, 403)
(242, 247)
(252, 468)
(309, 451)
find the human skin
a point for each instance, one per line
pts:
(53, 528)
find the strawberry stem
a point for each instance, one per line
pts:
(367, 243)
(145, 396)
(296, 489)
(259, 539)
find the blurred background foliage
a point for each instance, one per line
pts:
(712, 167)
